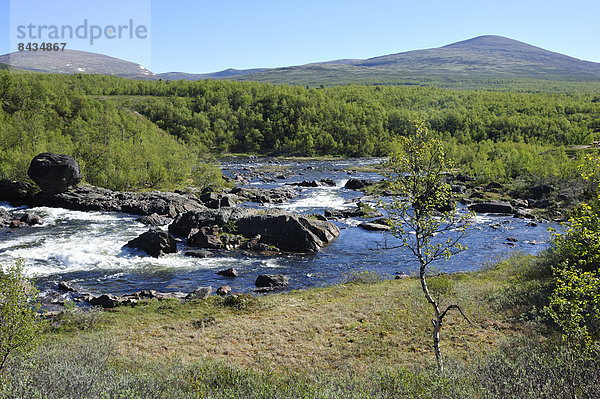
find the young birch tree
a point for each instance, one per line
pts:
(423, 214)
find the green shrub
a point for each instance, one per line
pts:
(240, 301)
(19, 327)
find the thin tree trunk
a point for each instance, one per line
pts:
(437, 322)
(436, 345)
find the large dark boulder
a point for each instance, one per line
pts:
(492, 207)
(154, 242)
(54, 173)
(286, 231)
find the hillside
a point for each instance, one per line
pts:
(74, 61)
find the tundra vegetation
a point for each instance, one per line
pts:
(365, 338)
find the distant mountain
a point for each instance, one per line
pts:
(487, 57)
(74, 61)
(484, 57)
(214, 75)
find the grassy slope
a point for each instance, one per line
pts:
(350, 327)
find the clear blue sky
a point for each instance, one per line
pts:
(206, 36)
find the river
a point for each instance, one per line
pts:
(85, 248)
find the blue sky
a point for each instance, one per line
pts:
(202, 36)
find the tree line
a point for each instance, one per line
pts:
(135, 134)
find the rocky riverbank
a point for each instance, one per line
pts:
(256, 228)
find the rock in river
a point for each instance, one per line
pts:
(286, 231)
(272, 281)
(231, 272)
(375, 226)
(90, 198)
(491, 207)
(154, 242)
(358, 184)
(199, 253)
(54, 173)
(154, 220)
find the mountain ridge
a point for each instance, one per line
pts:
(488, 56)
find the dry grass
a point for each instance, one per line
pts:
(351, 327)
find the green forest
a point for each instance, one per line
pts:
(130, 134)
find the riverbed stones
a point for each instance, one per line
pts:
(90, 198)
(154, 242)
(16, 224)
(66, 287)
(276, 195)
(272, 281)
(31, 219)
(215, 201)
(251, 243)
(54, 173)
(106, 301)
